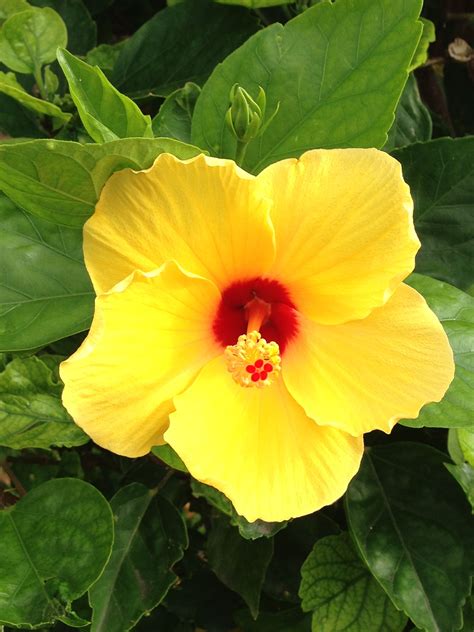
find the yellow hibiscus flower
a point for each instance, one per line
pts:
(259, 325)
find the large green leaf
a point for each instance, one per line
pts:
(105, 113)
(455, 310)
(29, 39)
(176, 113)
(150, 536)
(55, 543)
(179, 44)
(412, 525)
(45, 291)
(292, 546)
(412, 119)
(10, 86)
(342, 594)
(336, 71)
(240, 564)
(61, 180)
(81, 28)
(31, 412)
(441, 177)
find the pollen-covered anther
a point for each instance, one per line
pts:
(253, 361)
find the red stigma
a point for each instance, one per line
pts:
(231, 319)
(255, 377)
(250, 368)
(268, 367)
(263, 375)
(259, 363)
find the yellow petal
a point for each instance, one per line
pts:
(368, 374)
(259, 448)
(344, 230)
(150, 336)
(205, 213)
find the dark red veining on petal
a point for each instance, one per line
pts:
(231, 317)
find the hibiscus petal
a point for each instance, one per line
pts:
(344, 230)
(205, 213)
(259, 448)
(368, 374)
(149, 337)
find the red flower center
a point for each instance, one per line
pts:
(257, 304)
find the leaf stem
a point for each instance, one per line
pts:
(13, 478)
(40, 83)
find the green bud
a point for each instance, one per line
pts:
(245, 115)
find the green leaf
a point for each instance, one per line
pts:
(179, 44)
(105, 56)
(31, 412)
(336, 72)
(81, 28)
(150, 536)
(240, 564)
(412, 525)
(441, 177)
(168, 455)
(454, 449)
(10, 86)
(256, 529)
(464, 474)
(455, 310)
(105, 113)
(343, 595)
(292, 546)
(428, 35)
(175, 115)
(466, 442)
(60, 181)
(29, 39)
(213, 496)
(45, 291)
(412, 119)
(286, 621)
(15, 120)
(55, 543)
(10, 7)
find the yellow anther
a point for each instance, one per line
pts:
(253, 361)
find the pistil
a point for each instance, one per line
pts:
(253, 361)
(257, 312)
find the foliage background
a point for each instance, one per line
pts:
(108, 544)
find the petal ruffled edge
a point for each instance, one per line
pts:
(345, 238)
(368, 374)
(259, 448)
(150, 336)
(206, 213)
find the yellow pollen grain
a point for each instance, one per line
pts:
(250, 349)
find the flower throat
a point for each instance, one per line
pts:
(254, 322)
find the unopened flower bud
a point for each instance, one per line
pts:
(245, 115)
